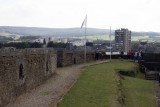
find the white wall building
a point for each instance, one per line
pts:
(78, 43)
(40, 40)
(57, 40)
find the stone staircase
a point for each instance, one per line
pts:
(151, 75)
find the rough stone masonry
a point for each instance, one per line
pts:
(23, 70)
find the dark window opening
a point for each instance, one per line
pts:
(74, 60)
(21, 74)
(47, 66)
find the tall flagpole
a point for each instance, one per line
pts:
(84, 23)
(110, 42)
(85, 40)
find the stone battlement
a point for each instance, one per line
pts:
(67, 58)
(24, 69)
(15, 52)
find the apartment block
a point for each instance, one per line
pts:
(123, 40)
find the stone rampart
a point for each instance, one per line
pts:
(23, 70)
(151, 61)
(67, 58)
(151, 57)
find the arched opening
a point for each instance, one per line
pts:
(21, 72)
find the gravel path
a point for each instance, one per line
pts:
(50, 92)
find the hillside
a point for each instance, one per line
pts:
(56, 32)
(63, 32)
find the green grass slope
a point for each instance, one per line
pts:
(138, 92)
(97, 87)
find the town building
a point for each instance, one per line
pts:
(39, 40)
(123, 40)
(57, 40)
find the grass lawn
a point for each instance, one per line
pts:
(138, 92)
(97, 87)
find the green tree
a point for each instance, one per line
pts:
(1, 45)
(89, 44)
(57, 45)
(36, 45)
(44, 41)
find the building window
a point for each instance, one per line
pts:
(21, 72)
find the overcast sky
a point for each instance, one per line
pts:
(136, 15)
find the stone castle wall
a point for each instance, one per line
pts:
(22, 70)
(151, 61)
(67, 58)
(151, 57)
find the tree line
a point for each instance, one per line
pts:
(23, 45)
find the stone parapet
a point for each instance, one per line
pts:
(23, 70)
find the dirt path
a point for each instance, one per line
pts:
(49, 93)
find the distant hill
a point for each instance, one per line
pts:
(57, 32)
(63, 32)
(150, 34)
